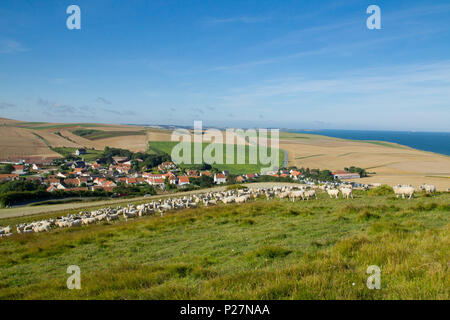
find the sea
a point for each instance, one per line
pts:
(438, 142)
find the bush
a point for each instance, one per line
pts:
(272, 252)
(384, 190)
(21, 185)
(236, 187)
(7, 168)
(14, 197)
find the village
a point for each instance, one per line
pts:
(80, 175)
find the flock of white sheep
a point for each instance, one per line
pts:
(130, 211)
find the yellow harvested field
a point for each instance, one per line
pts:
(82, 141)
(56, 140)
(166, 135)
(132, 143)
(159, 135)
(393, 164)
(19, 142)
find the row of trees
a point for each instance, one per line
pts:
(353, 169)
(314, 174)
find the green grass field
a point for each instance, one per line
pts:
(166, 146)
(260, 250)
(92, 134)
(384, 144)
(90, 155)
(66, 125)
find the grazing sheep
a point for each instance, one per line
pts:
(242, 199)
(284, 195)
(297, 194)
(310, 194)
(347, 193)
(129, 214)
(429, 189)
(228, 200)
(112, 217)
(333, 193)
(210, 198)
(404, 191)
(5, 230)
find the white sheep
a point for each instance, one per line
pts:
(428, 188)
(347, 193)
(333, 193)
(404, 191)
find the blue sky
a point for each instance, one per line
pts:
(286, 64)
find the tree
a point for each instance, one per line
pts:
(7, 168)
(203, 181)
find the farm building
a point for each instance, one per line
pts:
(79, 152)
(342, 175)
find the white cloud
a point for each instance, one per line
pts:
(11, 46)
(240, 19)
(375, 97)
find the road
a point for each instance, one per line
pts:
(285, 162)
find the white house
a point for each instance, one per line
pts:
(220, 178)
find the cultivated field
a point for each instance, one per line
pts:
(17, 142)
(236, 168)
(25, 139)
(317, 249)
(392, 163)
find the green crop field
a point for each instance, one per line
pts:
(93, 134)
(167, 146)
(384, 144)
(318, 249)
(90, 155)
(66, 125)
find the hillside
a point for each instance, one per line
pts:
(35, 139)
(316, 249)
(390, 163)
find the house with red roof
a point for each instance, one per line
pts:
(159, 182)
(295, 174)
(8, 177)
(19, 169)
(250, 175)
(220, 178)
(131, 181)
(172, 179)
(183, 180)
(342, 175)
(72, 182)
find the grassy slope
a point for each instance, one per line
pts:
(259, 250)
(166, 146)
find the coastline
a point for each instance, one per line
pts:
(434, 142)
